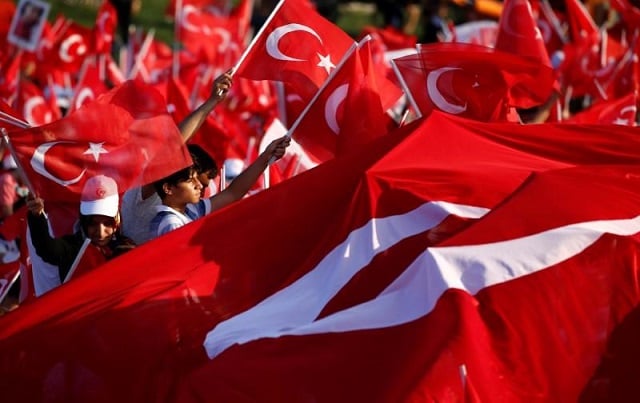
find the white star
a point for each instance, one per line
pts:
(325, 62)
(96, 149)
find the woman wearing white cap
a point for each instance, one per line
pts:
(99, 223)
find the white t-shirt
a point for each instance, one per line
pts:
(137, 214)
(167, 219)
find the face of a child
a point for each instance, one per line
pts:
(100, 229)
(205, 178)
(188, 191)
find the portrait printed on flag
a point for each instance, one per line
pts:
(27, 24)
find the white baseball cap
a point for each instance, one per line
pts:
(100, 197)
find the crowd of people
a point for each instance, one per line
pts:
(109, 225)
(118, 221)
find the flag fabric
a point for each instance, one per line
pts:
(581, 25)
(276, 54)
(89, 86)
(622, 111)
(133, 329)
(126, 134)
(473, 81)
(518, 32)
(475, 300)
(104, 28)
(33, 105)
(346, 113)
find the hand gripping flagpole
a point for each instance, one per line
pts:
(23, 176)
(251, 45)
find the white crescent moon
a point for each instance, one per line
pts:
(66, 45)
(627, 109)
(37, 163)
(225, 36)
(435, 95)
(101, 20)
(273, 40)
(84, 95)
(186, 10)
(601, 72)
(545, 30)
(331, 107)
(30, 105)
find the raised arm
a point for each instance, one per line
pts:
(190, 125)
(243, 182)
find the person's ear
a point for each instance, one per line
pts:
(166, 188)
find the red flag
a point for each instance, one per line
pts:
(622, 111)
(69, 50)
(276, 53)
(89, 85)
(152, 311)
(35, 108)
(126, 134)
(104, 29)
(518, 32)
(346, 113)
(473, 81)
(581, 25)
(504, 281)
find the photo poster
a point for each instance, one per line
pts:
(27, 24)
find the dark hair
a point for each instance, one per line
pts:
(180, 176)
(202, 161)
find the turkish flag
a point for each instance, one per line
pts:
(346, 113)
(628, 12)
(581, 25)
(474, 81)
(69, 50)
(549, 23)
(622, 111)
(276, 53)
(518, 32)
(89, 86)
(10, 118)
(203, 33)
(519, 276)
(133, 329)
(126, 134)
(34, 106)
(104, 28)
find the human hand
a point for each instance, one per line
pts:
(277, 148)
(221, 85)
(35, 205)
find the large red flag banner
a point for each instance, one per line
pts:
(276, 52)
(126, 133)
(133, 329)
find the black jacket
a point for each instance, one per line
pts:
(62, 251)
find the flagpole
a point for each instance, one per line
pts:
(142, 53)
(405, 88)
(5, 117)
(8, 286)
(306, 109)
(76, 261)
(175, 68)
(244, 54)
(23, 176)
(551, 15)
